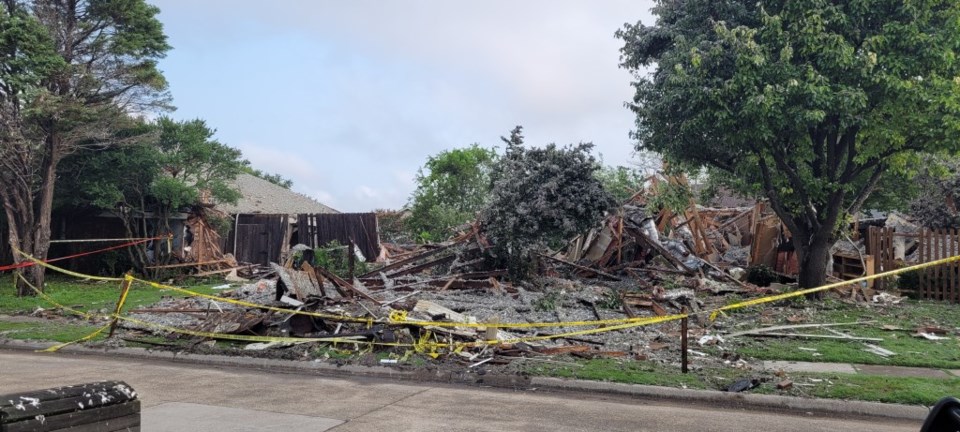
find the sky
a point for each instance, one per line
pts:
(349, 98)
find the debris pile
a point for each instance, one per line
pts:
(446, 299)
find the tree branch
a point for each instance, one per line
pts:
(867, 189)
(776, 201)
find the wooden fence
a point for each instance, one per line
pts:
(258, 238)
(892, 250)
(316, 230)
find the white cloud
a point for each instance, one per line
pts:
(349, 98)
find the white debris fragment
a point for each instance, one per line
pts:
(127, 391)
(710, 340)
(882, 352)
(931, 336)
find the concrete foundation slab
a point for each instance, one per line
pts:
(179, 416)
(789, 366)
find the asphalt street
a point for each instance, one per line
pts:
(183, 397)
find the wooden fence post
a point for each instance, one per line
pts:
(683, 342)
(124, 290)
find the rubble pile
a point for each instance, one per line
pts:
(636, 264)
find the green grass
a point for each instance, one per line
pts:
(911, 351)
(877, 388)
(616, 370)
(87, 296)
(905, 390)
(47, 331)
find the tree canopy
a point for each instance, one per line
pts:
(452, 187)
(71, 72)
(620, 181)
(809, 103)
(541, 197)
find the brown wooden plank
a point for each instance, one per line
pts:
(115, 424)
(920, 258)
(943, 285)
(934, 277)
(889, 256)
(75, 418)
(580, 267)
(949, 268)
(938, 270)
(955, 267)
(422, 267)
(60, 392)
(407, 261)
(337, 281)
(952, 267)
(932, 286)
(18, 412)
(872, 251)
(648, 243)
(925, 243)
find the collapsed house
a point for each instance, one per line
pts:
(637, 263)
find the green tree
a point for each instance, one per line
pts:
(809, 103)
(451, 188)
(195, 167)
(620, 181)
(71, 71)
(541, 198)
(939, 179)
(175, 166)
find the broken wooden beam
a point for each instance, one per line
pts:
(814, 336)
(584, 268)
(422, 267)
(792, 327)
(405, 262)
(339, 282)
(190, 264)
(647, 242)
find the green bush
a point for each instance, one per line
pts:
(335, 257)
(761, 275)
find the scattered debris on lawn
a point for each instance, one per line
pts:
(637, 263)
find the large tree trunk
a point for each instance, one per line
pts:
(17, 205)
(813, 265)
(29, 217)
(41, 242)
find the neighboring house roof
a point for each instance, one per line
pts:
(261, 196)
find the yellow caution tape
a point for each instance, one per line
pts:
(71, 310)
(422, 345)
(65, 271)
(803, 292)
(246, 338)
(400, 317)
(83, 339)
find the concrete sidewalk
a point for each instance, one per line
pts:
(189, 396)
(577, 388)
(848, 368)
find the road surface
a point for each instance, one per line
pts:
(183, 397)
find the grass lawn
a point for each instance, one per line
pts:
(48, 331)
(87, 296)
(917, 391)
(909, 315)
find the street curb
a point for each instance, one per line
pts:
(715, 398)
(711, 398)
